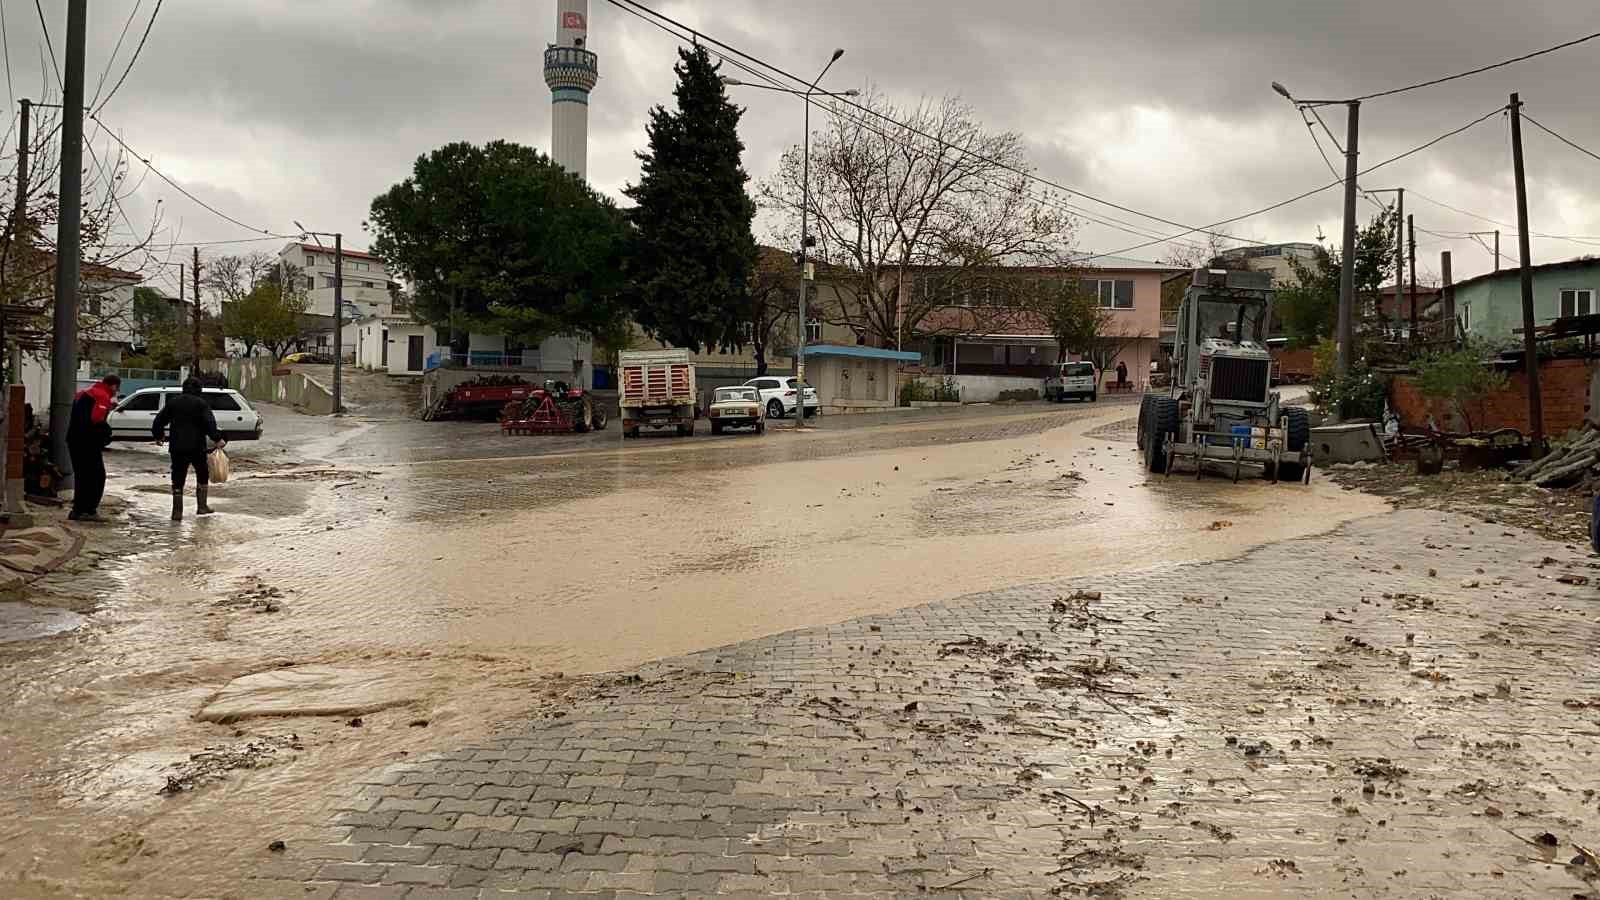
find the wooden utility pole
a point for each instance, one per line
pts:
(194, 367)
(1399, 252)
(1411, 229)
(1497, 249)
(1345, 336)
(1530, 343)
(1447, 296)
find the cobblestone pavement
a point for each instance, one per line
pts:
(1401, 708)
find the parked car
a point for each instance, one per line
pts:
(1073, 379)
(780, 396)
(736, 407)
(321, 359)
(133, 418)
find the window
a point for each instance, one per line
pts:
(327, 281)
(1577, 303)
(93, 305)
(311, 283)
(221, 402)
(1466, 317)
(143, 402)
(767, 384)
(1111, 294)
(813, 331)
(311, 260)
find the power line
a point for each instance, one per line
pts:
(179, 188)
(135, 58)
(1059, 205)
(1516, 59)
(1573, 238)
(701, 36)
(1584, 150)
(105, 73)
(5, 39)
(46, 28)
(1302, 196)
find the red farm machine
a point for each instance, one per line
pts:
(553, 409)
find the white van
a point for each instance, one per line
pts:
(1073, 379)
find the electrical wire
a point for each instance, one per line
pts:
(105, 73)
(135, 58)
(1584, 150)
(179, 188)
(1050, 202)
(46, 28)
(701, 36)
(5, 40)
(1584, 239)
(1422, 84)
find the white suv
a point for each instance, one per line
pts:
(133, 418)
(780, 396)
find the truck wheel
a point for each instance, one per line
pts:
(761, 428)
(1295, 440)
(716, 427)
(1094, 397)
(599, 419)
(630, 433)
(1144, 416)
(580, 418)
(1163, 420)
(774, 408)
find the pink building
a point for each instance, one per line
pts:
(978, 334)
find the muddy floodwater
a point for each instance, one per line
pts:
(489, 585)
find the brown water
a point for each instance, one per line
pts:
(482, 580)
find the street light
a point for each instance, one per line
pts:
(1347, 266)
(338, 307)
(806, 241)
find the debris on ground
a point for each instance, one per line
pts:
(213, 763)
(255, 595)
(1486, 494)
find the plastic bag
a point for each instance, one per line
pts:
(217, 462)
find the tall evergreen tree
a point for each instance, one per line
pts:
(693, 253)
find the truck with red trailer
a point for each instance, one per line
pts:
(656, 389)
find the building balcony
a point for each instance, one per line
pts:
(571, 67)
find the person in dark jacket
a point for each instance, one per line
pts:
(192, 422)
(88, 434)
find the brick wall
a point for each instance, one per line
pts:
(1563, 386)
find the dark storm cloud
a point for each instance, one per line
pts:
(285, 110)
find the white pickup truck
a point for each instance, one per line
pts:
(656, 390)
(1073, 379)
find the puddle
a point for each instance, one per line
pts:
(26, 622)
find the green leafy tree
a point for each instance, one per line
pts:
(500, 239)
(693, 254)
(1309, 309)
(267, 317)
(1462, 378)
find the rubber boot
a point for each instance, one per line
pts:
(201, 509)
(177, 504)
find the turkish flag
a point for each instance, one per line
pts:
(573, 21)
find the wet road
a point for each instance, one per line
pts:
(477, 566)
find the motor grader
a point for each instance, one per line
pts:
(1220, 409)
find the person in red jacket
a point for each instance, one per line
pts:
(88, 434)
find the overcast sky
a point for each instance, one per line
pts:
(282, 110)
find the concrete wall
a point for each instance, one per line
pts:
(254, 378)
(987, 388)
(1564, 386)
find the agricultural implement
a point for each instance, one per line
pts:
(484, 397)
(553, 409)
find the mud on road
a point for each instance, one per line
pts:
(498, 584)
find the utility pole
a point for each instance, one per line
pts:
(1497, 249)
(12, 504)
(338, 322)
(194, 367)
(1399, 253)
(64, 347)
(1530, 343)
(1447, 296)
(1347, 268)
(1411, 229)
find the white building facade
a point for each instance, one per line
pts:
(366, 280)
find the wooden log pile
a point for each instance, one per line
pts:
(1565, 465)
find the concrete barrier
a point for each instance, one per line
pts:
(1353, 442)
(257, 378)
(988, 388)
